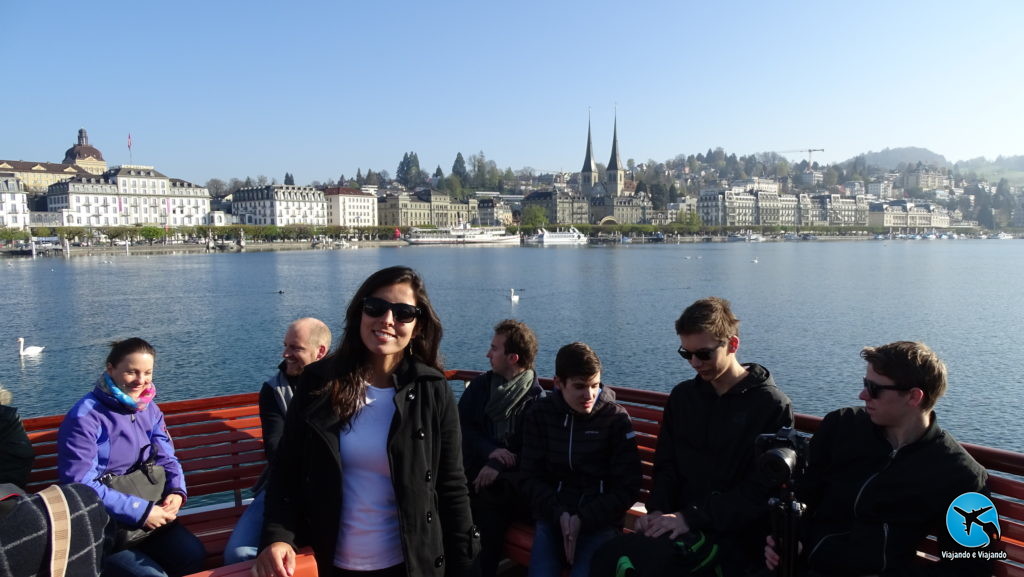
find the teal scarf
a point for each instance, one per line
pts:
(506, 403)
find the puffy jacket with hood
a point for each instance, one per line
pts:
(582, 464)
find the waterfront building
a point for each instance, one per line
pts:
(494, 212)
(350, 207)
(607, 209)
(279, 205)
(425, 207)
(13, 202)
(767, 208)
(721, 206)
(904, 214)
(81, 159)
(789, 210)
(560, 207)
(129, 195)
(840, 210)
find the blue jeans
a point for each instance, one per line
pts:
(245, 538)
(172, 551)
(548, 554)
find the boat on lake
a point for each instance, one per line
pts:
(546, 237)
(462, 234)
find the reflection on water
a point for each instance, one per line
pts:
(806, 308)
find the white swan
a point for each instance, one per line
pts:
(512, 296)
(28, 351)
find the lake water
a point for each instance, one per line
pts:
(807, 308)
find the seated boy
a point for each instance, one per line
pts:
(580, 465)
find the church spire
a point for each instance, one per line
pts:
(588, 161)
(615, 162)
(83, 137)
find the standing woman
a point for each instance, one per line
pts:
(369, 471)
(108, 431)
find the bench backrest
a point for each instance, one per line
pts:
(219, 442)
(1006, 469)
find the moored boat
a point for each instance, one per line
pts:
(463, 234)
(547, 237)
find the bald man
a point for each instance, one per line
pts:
(306, 340)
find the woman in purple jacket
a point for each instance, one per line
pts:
(109, 430)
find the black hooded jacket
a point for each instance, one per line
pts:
(704, 462)
(582, 464)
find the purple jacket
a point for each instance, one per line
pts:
(100, 436)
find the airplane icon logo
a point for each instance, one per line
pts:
(969, 510)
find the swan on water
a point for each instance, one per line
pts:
(28, 351)
(512, 296)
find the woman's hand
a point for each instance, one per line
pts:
(172, 503)
(158, 517)
(277, 560)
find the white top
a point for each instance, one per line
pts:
(368, 536)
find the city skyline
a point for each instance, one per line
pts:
(318, 90)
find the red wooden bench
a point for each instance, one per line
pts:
(1006, 470)
(219, 442)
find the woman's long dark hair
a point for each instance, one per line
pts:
(351, 361)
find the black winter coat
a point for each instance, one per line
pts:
(478, 438)
(424, 449)
(16, 455)
(870, 507)
(582, 464)
(704, 461)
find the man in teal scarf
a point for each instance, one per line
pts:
(491, 412)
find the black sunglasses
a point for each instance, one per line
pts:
(404, 313)
(875, 389)
(703, 354)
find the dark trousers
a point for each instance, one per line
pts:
(494, 509)
(396, 571)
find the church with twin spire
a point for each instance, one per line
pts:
(611, 200)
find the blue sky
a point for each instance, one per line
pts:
(229, 89)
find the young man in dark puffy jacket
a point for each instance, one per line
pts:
(705, 485)
(580, 465)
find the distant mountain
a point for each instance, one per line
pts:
(890, 158)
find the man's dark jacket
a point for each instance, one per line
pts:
(424, 447)
(582, 464)
(704, 461)
(704, 464)
(16, 454)
(478, 438)
(871, 507)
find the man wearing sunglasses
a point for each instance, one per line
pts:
(881, 477)
(491, 416)
(704, 482)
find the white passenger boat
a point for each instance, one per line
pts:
(462, 234)
(547, 237)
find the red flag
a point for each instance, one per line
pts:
(129, 141)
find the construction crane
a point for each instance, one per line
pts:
(809, 152)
